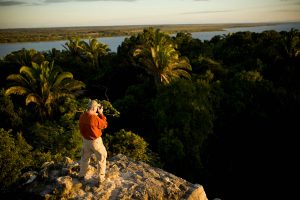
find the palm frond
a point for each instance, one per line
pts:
(33, 98)
(18, 79)
(29, 72)
(62, 76)
(73, 85)
(18, 90)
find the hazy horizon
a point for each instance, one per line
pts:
(85, 13)
(145, 25)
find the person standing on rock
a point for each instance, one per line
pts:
(91, 124)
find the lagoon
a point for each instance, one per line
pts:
(114, 42)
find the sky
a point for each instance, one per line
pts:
(66, 13)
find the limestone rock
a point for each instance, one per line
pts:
(125, 179)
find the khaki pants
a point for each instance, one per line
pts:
(93, 146)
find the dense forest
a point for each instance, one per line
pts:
(216, 112)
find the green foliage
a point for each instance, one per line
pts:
(9, 116)
(39, 158)
(129, 144)
(137, 106)
(184, 120)
(73, 140)
(158, 56)
(74, 47)
(250, 76)
(25, 57)
(43, 85)
(48, 136)
(55, 138)
(203, 64)
(67, 110)
(191, 47)
(92, 51)
(244, 89)
(108, 109)
(171, 149)
(61, 136)
(14, 157)
(291, 43)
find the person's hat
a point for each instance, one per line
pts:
(92, 104)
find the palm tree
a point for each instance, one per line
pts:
(291, 43)
(74, 47)
(160, 59)
(94, 50)
(42, 85)
(25, 57)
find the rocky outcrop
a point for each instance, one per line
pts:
(125, 179)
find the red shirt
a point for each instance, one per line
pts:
(90, 125)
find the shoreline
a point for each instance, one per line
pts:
(64, 33)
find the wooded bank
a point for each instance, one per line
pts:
(64, 33)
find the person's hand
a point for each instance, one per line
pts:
(100, 109)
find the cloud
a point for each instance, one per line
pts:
(60, 1)
(40, 2)
(294, 2)
(207, 12)
(11, 3)
(288, 10)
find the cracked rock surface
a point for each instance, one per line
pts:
(125, 179)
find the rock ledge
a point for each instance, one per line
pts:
(125, 179)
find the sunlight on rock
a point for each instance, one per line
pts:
(125, 179)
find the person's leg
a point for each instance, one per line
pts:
(101, 154)
(85, 157)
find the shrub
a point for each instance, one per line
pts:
(14, 157)
(10, 117)
(48, 136)
(57, 139)
(39, 158)
(129, 144)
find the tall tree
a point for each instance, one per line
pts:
(93, 50)
(160, 59)
(183, 117)
(291, 43)
(25, 57)
(74, 47)
(42, 85)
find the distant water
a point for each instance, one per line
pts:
(259, 29)
(114, 42)
(256, 29)
(6, 48)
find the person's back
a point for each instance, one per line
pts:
(90, 125)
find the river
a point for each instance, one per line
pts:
(114, 42)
